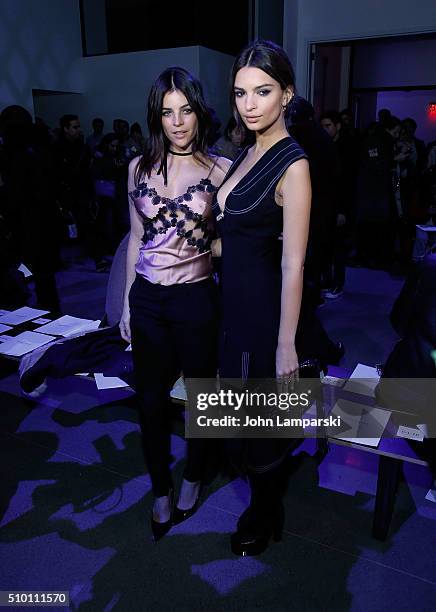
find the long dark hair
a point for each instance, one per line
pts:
(172, 79)
(269, 57)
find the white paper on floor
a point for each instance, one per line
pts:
(24, 343)
(5, 337)
(4, 328)
(108, 382)
(21, 315)
(67, 325)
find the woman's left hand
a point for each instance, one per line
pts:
(286, 364)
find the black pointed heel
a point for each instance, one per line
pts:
(160, 529)
(182, 515)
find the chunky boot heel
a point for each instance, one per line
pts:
(277, 533)
(246, 545)
(264, 518)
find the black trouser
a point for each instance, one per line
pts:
(374, 242)
(173, 328)
(334, 266)
(41, 254)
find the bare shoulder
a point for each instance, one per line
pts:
(223, 163)
(295, 179)
(221, 166)
(299, 168)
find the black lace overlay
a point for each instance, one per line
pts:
(176, 213)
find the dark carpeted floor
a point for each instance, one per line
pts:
(75, 499)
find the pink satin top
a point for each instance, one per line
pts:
(178, 233)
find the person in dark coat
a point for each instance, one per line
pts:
(30, 201)
(323, 164)
(408, 380)
(375, 196)
(74, 185)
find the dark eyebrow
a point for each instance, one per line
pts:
(257, 87)
(184, 106)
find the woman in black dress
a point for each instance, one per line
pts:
(264, 197)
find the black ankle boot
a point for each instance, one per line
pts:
(264, 517)
(254, 533)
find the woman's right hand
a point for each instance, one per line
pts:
(125, 324)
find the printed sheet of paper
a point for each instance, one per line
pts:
(67, 325)
(5, 338)
(411, 433)
(179, 390)
(334, 381)
(424, 429)
(108, 382)
(359, 423)
(41, 321)
(24, 343)
(4, 328)
(363, 380)
(21, 315)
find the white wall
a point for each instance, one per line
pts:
(94, 17)
(290, 29)
(118, 85)
(40, 48)
(411, 104)
(51, 108)
(214, 75)
(395, 63)
(321, 20)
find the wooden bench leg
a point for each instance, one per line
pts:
(387, 484)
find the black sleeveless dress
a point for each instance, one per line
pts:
(250, 228)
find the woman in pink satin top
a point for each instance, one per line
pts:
(170, 310)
